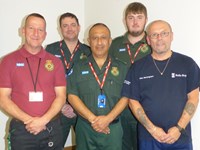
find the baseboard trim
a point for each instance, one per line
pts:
(70, 148)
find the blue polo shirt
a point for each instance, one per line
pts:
(163, 97)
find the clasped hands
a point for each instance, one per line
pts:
(101, 124)
(35, 125)
(169, 137)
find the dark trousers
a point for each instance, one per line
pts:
(49, 139)
(155, 145)
(67, 123)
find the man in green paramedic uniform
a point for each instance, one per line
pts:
(129, 48)
(97, 98)
(69, 50)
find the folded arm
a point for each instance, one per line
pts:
(10, 107)
(137, 109)
(188, 112)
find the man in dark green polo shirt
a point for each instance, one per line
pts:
(129, 48)
(97, 98)
(69, 50)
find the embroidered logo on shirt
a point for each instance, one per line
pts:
(174, 75)
(144, 48)
(127, 82)
(84, 72)
(146, 77)
(115, 71)
(20, 64)
(83, 56)
(49, 65)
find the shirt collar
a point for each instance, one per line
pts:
(26, 54)
(126, 40)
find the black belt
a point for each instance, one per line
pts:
(54, 118)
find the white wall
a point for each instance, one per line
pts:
(182, 15)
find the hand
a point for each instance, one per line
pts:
(101, 124)
(159, 134)
(68, 111)
(35, 125)
(173, 135)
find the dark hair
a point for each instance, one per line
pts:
(136, 8)
(100, 24)
(65, 15)
(35, 15)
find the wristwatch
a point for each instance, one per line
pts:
(181, 130)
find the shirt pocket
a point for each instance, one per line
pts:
(86, 86)
(114, 86)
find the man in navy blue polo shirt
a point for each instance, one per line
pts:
(163, 89)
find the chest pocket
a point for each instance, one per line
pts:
(86, 85)
(113, 87)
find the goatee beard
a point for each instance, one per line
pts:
(135, 34)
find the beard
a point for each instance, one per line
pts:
(135, 33)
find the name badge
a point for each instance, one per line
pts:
(35, 96)
(122, 50)
(101, 101)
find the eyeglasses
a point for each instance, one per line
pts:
(162, 35)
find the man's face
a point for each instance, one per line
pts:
(135, 23)
(34, 32)
(160, 37)
(99, 40)
(70, 29)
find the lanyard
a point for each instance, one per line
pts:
(67, 64)
(136, 53)
(101, 84)
(34, 82)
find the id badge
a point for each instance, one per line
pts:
(101, 101)
(69, 71)
(35, 96)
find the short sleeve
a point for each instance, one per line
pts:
(193, 79)
(71, 82)
(131, 85)
(5, 73)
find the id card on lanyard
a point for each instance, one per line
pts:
(35, 96)
(101, 99)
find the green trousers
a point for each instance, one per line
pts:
(129, 125)
(67, 123)
(88, 139)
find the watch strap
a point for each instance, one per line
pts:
(181, 130)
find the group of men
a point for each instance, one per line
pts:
(129, 93)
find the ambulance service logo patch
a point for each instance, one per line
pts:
(115, 71)
(49, 65)
(144, 48)
(83, 56)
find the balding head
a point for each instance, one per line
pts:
(158, 24)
